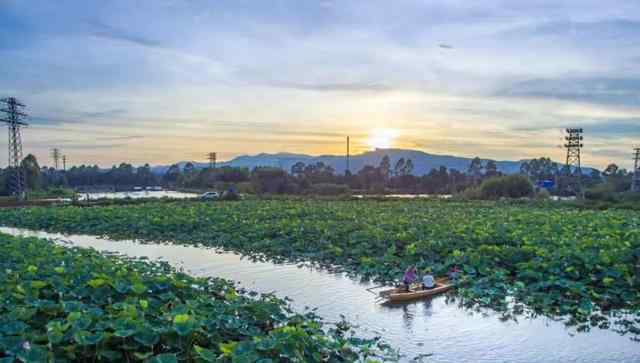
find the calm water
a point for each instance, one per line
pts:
(404, 196)
(137, 195)
(426, 327)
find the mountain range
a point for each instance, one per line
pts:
(423, 162)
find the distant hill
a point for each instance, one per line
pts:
(423, 162)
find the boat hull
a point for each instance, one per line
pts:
(398, 295)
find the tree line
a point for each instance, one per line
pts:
(317, 178)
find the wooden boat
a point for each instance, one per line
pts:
(416, 291)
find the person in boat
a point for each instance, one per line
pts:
(428, 281)
(454, 273)
(410, 276)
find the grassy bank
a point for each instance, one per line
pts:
(561, 262)
(70, 304)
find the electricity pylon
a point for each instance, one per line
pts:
(212, 160)
(13, 117)
(573, 145)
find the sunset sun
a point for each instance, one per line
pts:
(382, 138)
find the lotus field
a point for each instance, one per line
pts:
(62, 304)
(579, 265)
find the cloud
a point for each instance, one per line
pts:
(76, 117)
(167, 68)
(115, 138)
(112, 113)
(44, 120)
(102, 30)
(84, 146)
(619, 128)
(333, 87)
(612, 153)
(611, 91)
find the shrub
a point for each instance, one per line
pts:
(331, 189)
(230, 195)
(543, 194)
(510, 186)
(471, 193)
(604, 192)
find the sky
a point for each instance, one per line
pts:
(161, 81)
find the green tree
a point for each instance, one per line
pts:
(398, 169)
(385, 167)
(173, 174)
(491, 169)
(31, 172)
(144, 175)
(611, 170)
(408, 167)
(297, 169)
(475, 169)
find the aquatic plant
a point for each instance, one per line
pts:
(517, 257)
(61, 304)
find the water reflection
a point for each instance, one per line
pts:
(137, 195)
(439, 329)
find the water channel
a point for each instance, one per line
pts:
(445, 331)
(137, 195)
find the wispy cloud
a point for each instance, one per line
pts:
(333, 87)
(116, 138)
(112, 113)
(603, 128)
(612, 91)
(102, 30)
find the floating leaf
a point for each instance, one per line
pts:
(164, 358)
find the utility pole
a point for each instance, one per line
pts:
(573, 145)
(55, 154)
(635, 183)
(212, 160)
(12, 116)
(64, 162)
(348, 170)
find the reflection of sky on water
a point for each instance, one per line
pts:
(432, 326)
(137, 195)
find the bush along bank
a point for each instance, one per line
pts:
(61, 304)
(516, 257)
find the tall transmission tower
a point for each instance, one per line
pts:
(55, 154)
(13, 116)
(573, 145)
(212, 160)
(635, 183)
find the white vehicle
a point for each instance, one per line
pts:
(210, 195)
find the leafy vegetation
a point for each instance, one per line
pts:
(70, 304)
(517, 257)
(510, 186)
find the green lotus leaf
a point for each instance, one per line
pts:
(164, 358)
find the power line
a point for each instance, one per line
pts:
(13, 117)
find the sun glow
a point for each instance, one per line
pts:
(382, 138)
